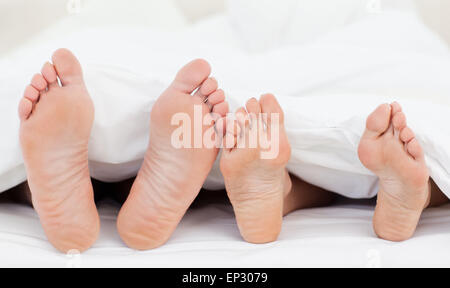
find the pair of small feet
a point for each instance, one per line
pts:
(388, 147)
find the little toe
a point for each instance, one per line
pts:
(31, 94)
(191, 76)
(49, 73)
(379, 121)
(39, 82)
(229, 142)
(233, 127)
(232, 130)
(216, 97)
(25, 108)
(67, 67)
(406, 135)
(221, 126)
(242, 118)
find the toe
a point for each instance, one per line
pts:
(242, 118)
(209, 86)
(191, 76)
(254, 111)
(49, 73)
(39, 82)
(221, 109)
(399, 121)
(415, 150)
(406, 135)
(232, 130)
(253, 106)
(272, 113)
(396, 108)
(217, 97)
(67, 67)
(229, 141)
(378, 122)
(221, 126)
(271, 107)
(31, 94)
(25, 108)
(233, 127)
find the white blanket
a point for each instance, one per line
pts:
(338, 236)
(327, 88)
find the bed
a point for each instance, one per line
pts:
(358, 59)
(338, 236)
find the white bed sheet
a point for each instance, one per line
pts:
(338, 236)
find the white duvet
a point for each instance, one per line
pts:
(327, 88)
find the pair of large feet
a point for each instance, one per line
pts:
(57, 115)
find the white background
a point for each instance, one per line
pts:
(20, 20)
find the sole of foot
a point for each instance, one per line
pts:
(172, 175)
(254, 170)
(56, 121)
(390, 150)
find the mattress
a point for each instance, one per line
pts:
(337, 236)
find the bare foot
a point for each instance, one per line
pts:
(257, 186)
(390, 150)
(171, 178)
(56, 123)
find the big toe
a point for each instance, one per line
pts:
(67, 67)
(378, 122)
(191, 76)
(272, 111)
